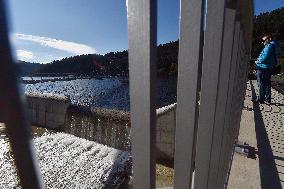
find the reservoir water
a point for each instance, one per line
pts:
(111, 93)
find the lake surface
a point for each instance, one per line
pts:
(105, 93)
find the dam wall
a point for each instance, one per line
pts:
(105, 126)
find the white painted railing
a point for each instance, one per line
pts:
(214, 51)
(215, 44)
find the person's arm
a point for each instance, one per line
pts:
(265, 54)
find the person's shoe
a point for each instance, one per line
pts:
(258, 101)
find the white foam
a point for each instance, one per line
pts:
(166, 109)
(67, 161)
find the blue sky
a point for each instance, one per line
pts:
(45, 30)
(267, 5)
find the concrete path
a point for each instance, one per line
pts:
(262, 127)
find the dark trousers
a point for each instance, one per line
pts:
(264, 84)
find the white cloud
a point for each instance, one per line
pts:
(24, 55)
(71, 47)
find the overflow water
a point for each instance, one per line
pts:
(100, 113)
(67, 161)
(105, 126)
(8, 175)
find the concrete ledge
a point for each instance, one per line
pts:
(166, 109)
(47, 110)
(106, 126)
(101, 112)
(113, 128)
(58, 97)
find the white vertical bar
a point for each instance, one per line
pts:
(222, 95)
(241, 89)
(239, 83)
(209, 89)
(237, 109)
(142, 69)
(231, 121)
(235, 94)
(228, 105)
(13, 114)
(187, 90)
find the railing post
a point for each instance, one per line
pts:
(190, 48)
(12, 113)
(227, 55)
(226, 137)
(242, 86)
(233, 109)
(238, 105)
(142, 70)
(209, 89)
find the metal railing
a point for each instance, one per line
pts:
(13, 114)
(216, 59)
(214, 50)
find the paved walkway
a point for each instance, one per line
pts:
(262, 127)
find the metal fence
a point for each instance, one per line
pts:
(214, 49)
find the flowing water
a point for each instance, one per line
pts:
(8, 178)
(67, 161)
(110, 93)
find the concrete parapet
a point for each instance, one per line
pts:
(47, 110)
(166, 122)
(112, 128)
(106, 126)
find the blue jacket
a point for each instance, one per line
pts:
(267, 56)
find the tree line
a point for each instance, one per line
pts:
(116, 63)
(112, 63)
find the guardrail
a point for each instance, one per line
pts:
(215, 44)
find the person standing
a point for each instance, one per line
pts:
(265, 64)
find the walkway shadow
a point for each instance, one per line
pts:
(267, 167)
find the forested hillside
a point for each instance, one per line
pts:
(27, 68)
(113, 63)
(116, 63)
